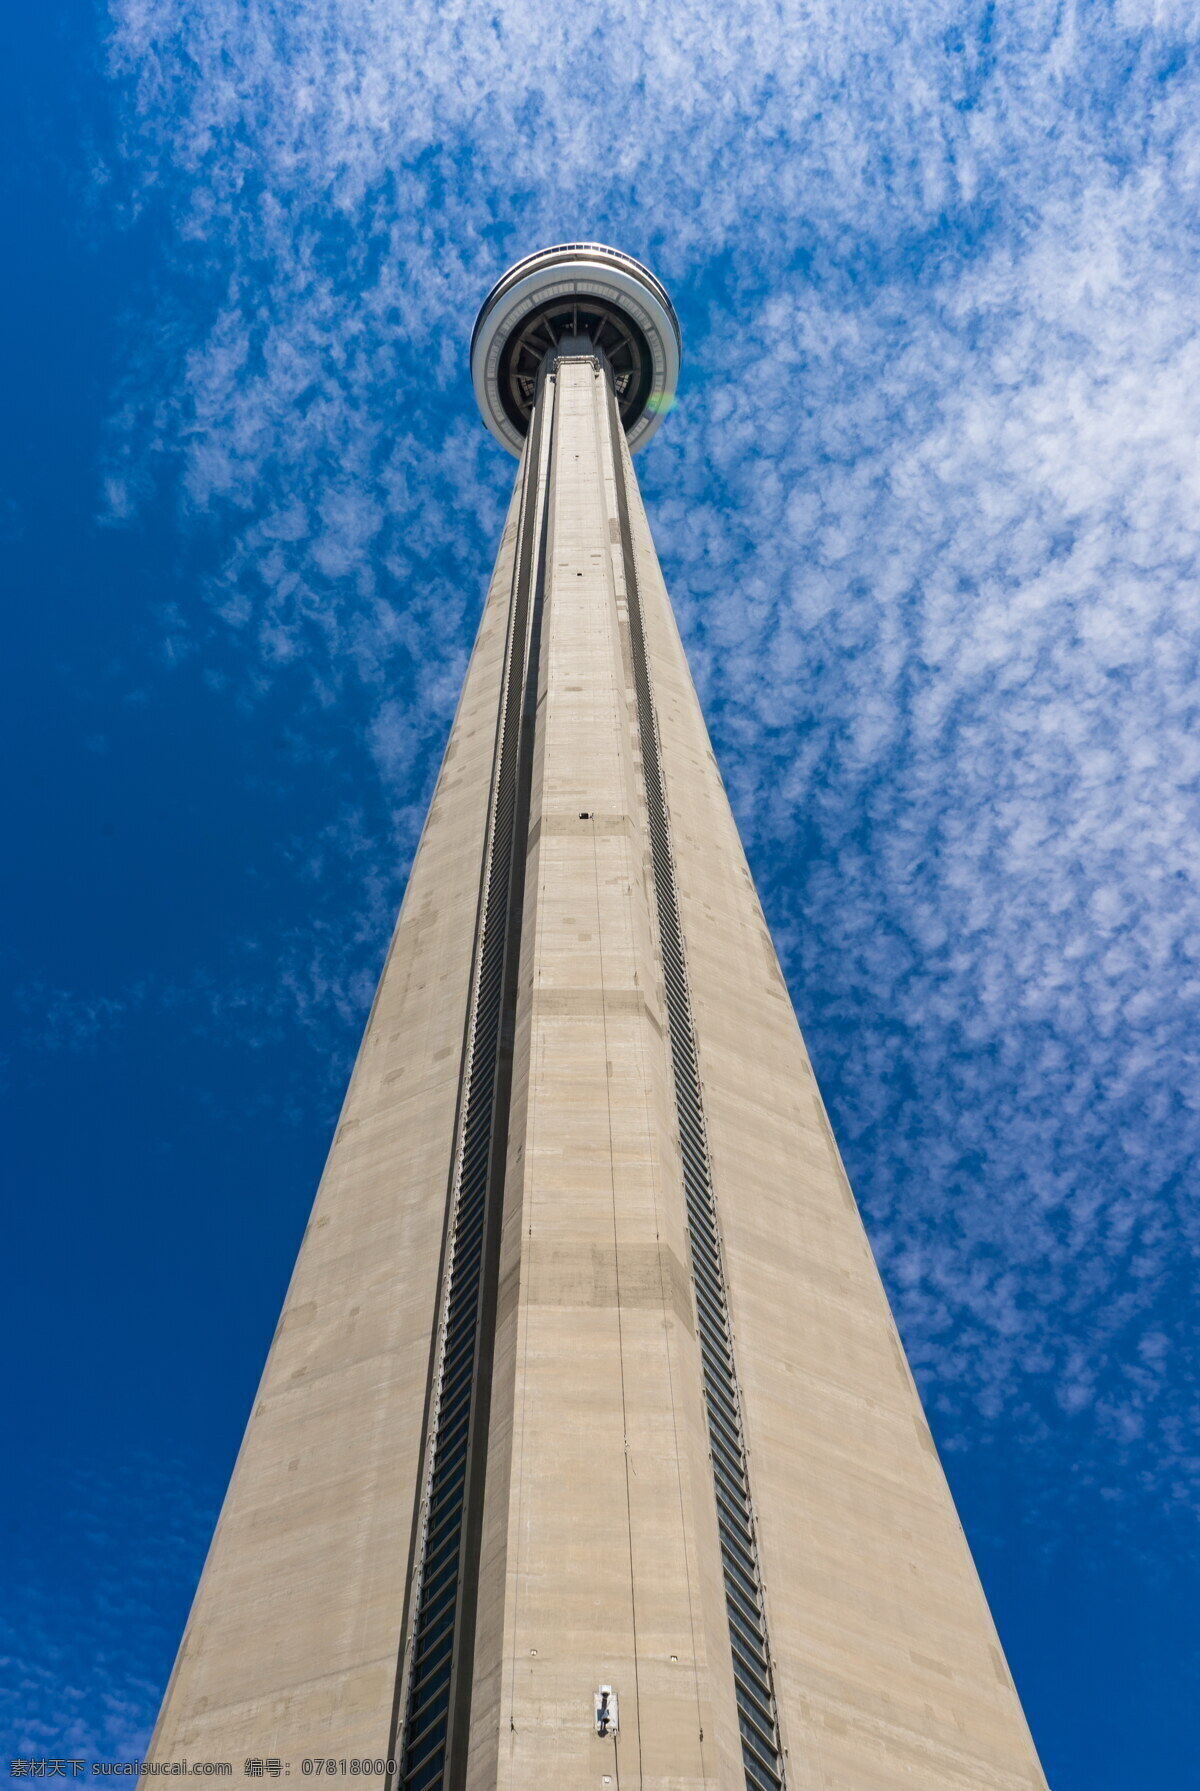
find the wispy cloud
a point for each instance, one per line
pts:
(82, 1659)
(969, 559)
(928, 507)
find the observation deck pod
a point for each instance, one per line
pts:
(578, 298)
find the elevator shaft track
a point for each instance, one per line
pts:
(761, 1753)
(435, 1680)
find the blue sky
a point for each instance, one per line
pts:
(929, 506)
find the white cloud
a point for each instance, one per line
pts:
(929, 509)
(67, 1690)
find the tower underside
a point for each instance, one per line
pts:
(586, 1394)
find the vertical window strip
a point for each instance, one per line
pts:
(762, 1755)
(439, 1669)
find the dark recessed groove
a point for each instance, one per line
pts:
(434, 1702)
(762, 1755)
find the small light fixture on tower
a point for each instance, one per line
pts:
(605, 1706)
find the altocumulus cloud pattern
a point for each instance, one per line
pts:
(929, 507)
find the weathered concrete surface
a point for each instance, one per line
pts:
(888, 1669)
(600, 1558)
(601, 1563)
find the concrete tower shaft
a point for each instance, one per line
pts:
(586, 1451)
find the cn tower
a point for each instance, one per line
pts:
(586, 1452)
